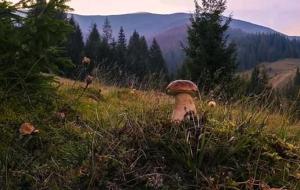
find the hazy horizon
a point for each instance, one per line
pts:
(283, 16)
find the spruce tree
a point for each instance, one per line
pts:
(157, 63)
(210, 58)
(143, 57)
(75, 47)
(93, 46)
(258, 82)
(38, 8)
(254, 81)
(122, 40)
(29, 46)
(105, 54)
(133, 57)
(121, 50)
(107, 31)
(142, 62)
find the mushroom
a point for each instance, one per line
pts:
(183, 90)
(27, 129)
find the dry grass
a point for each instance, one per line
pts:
(123, 139)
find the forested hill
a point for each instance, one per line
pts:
(170, 32)
(151, 25)
(258, 48)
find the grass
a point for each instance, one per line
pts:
(117, 138)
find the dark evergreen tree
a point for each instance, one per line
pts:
(38, 8)
(121, 51)
(157, 63)
(107, 31)
(258, 82)
(143, 57)
(292, 94)
(122, 40)
(210, 58)
(93, 47)
(254, 49)
(30, 45)
(254, 80)
(135, 63)
(75, 47)
(112, 61)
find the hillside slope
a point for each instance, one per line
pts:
(119, 138)
(281, 73)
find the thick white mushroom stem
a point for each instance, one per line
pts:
(184, 103)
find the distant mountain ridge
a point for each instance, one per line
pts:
(168, 29)
(150, 25)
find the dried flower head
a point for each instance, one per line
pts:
(27, 129)
(60, 115)
(86, 61)
(89, 80)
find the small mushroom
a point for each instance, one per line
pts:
(86, 61)
(183, 90)
(27, 129)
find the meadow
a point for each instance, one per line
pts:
(122, 138)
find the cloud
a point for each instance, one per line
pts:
(283, 16)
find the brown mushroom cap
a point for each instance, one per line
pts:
(182, 86)
(27, 129)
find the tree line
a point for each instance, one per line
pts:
(253, 49)
(114, 59)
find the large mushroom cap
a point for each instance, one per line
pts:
(182, 86)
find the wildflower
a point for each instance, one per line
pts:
(212, 104)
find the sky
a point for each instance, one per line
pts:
(281, 15)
